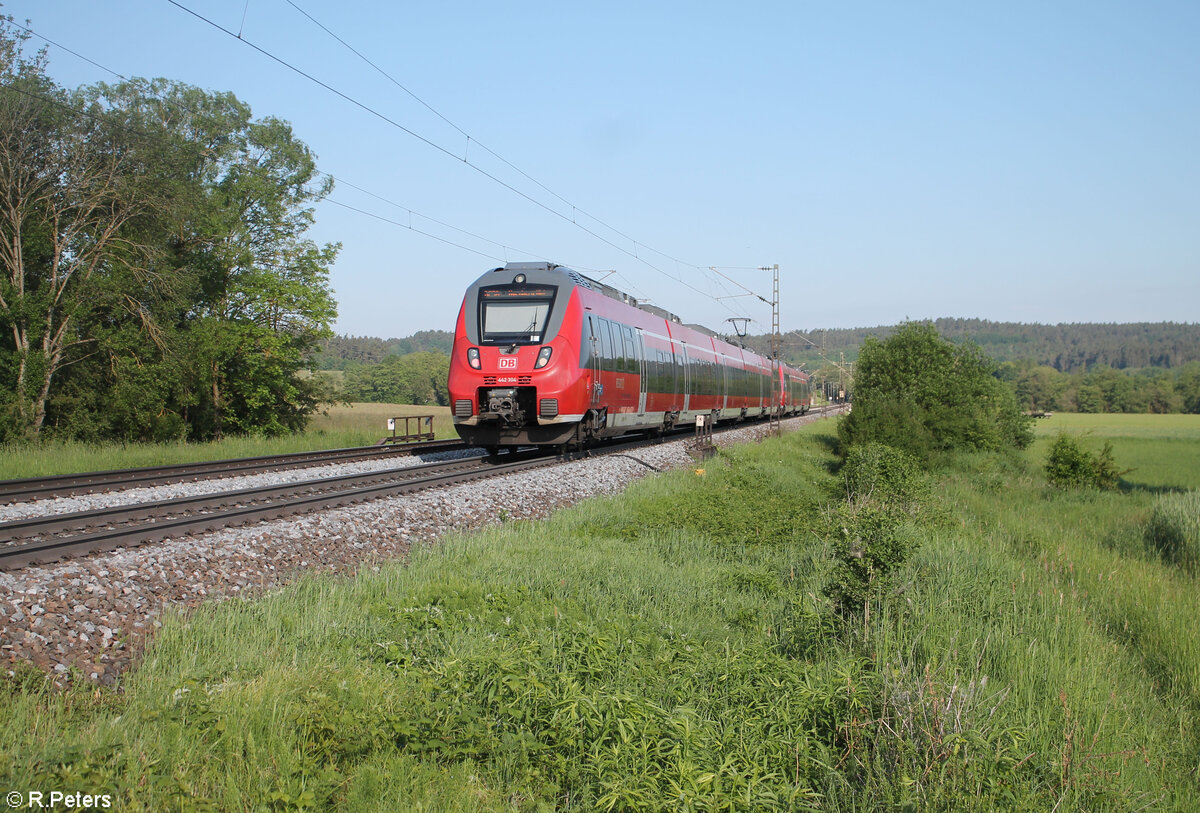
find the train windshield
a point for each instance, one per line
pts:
(515, 313)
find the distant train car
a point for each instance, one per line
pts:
(545, 356)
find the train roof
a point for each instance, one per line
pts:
(584, 281)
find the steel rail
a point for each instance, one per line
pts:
(290, 499)
(301, 500)
(65, 485)
(33, 527)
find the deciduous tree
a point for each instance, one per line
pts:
(68, 186)
(919, 392)
(158, 280)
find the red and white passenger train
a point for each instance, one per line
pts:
(545, 356)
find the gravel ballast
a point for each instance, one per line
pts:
(91, 616)
(171, 491)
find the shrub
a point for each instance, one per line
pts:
(918, 392)
(870, 542)
(1069, 465)
(1174, 529)
(874, 471)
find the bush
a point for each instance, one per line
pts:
(870, 543)
(1174, 529)
(874, 471)
(1069, 465)
(873, 533)
(918, 392)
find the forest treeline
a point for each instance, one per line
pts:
(412, 378)
(155, 278)
(342, 352)
(1041, 388)
(1067, 348)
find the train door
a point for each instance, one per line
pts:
(686, 366)
(639, 344)
(723, 367)
(673, 359)
(593, 339)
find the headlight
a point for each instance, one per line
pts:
(543, 358)
(473, 357)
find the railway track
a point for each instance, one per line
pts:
(45, 539)
(40, 540)
(66, 485)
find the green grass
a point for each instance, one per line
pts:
(1161, 452)
(671, 649)
(1157, 427)
(343, 425)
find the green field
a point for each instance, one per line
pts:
(343, 425)
(1160, 451)
(673, 649)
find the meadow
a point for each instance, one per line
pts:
(342, 425)
(1160, 451)
(675, 648)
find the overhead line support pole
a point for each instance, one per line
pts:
(776, 346)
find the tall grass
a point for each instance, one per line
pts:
(1173, 529)
(343, 425)
(672, 649)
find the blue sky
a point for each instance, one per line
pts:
(1015, 161)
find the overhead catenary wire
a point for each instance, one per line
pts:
(409, 226)
(575, 208)
(474, 166)
(336, 179)
(502, 246)
(629, 283)
(505, 249)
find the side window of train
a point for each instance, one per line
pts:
(606, 362)
(585, 347)
(631, 365)
(614, 338)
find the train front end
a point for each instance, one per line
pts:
(515, 377)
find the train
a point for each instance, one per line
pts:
(546, 356)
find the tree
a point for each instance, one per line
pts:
(1039, 388)
(416, 378)
(261, 301)
(918, 392)
(1187, 386)
(68, 187)
(157, 277)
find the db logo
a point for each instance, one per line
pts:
(508, 363)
